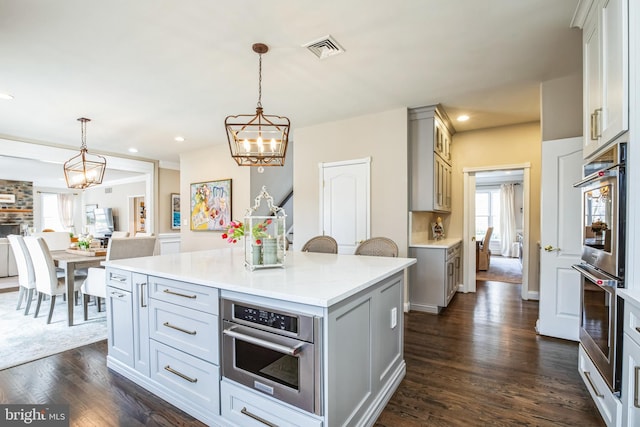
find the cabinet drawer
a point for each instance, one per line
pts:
(120, 279)
(632, 321)
(243, 407)
(189, 330)
(453, 251)
(188, 295)
(191, 380)
(609, 406)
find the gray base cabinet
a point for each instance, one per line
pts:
(173, 350)
(434, 279)
(7, 259)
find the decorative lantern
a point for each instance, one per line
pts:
(265, 244)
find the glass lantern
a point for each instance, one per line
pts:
(265, 245)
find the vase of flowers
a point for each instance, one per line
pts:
(84, 242)
(264, 236)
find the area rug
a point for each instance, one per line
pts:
(24, 339)
(502, 269)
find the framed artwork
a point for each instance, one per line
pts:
(175, 211)
(210, 205)
(90, 214)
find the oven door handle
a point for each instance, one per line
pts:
(292, 351)
(599, 175)
(595, 277)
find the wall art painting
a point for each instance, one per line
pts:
(210, 205)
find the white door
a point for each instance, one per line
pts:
(560, 223)
(344, 202)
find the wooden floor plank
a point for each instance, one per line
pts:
(479, 363)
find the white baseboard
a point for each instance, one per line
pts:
(534, 295)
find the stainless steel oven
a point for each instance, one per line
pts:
(604, 211)
(274, 352)
(601, 325)
(603, 261)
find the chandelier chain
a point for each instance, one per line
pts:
(260, 81)
(83, 129)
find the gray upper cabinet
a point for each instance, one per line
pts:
(430, 168)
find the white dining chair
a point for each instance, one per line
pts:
(47, 280)
(119, 234)
(96, 284)
(56, 240)
(26, 275)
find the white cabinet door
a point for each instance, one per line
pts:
(592, 80)
(119, 325)
(140, 303)
(615, 75)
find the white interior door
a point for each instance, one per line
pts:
(560, 233)
(345, 202)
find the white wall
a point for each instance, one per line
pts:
(381, 136)
(210, 164)
(117, 198)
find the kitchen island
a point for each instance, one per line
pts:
(165, 325)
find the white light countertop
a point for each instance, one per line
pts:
(421, 240)
(309, 278)
(631, 295)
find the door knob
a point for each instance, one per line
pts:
(550, 248)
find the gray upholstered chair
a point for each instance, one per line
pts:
(119, 234)
(378, 246)
(95, 284)
(323, 244)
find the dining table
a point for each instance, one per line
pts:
(70, 262)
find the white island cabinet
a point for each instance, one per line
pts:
(165, 332)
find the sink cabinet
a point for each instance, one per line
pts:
(430, 159)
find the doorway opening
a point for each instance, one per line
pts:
(475, 226)
(499, 218)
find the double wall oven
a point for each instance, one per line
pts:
(602, 264)
(275, 352)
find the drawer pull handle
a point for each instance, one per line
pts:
(142, 285)
(117, 294)
(167, 291)
(593, 386)
(638, 329)
(180, 374)
(177, 328)
(244, 411)
(120, 279)
(636, 403)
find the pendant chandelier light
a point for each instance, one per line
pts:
(258, 140)
(84, 170)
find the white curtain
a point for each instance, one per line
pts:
(507, 219)
(65, 210)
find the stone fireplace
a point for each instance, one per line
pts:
(20, 210)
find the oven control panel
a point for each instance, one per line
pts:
(271, 319)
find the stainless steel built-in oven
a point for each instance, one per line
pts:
(274, 352)
(603, 261)
(601, 323)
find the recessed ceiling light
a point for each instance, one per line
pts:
(133, 150)
(463, 118)
(179, 138)
(5, 96)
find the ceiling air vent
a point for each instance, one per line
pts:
(325, 47)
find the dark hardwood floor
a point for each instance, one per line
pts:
(479, 363)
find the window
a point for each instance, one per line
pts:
(487, 212)
(50, 215)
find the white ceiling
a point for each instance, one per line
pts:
(146, 71)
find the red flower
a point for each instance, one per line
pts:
(258, 242)
(225, 235)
